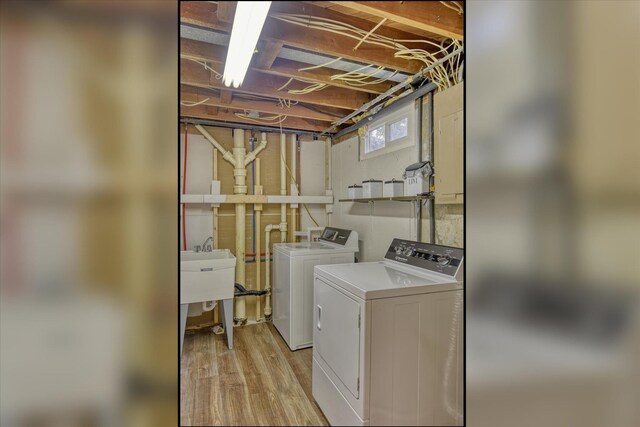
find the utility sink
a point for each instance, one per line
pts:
(206, 276)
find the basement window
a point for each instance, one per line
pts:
(374, 139)
(393, 132)
(398, 129)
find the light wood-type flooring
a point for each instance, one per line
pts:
(259, 382)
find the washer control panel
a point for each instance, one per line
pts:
(442, 259)
(339, 236)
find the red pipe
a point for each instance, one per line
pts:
(184, 189)
(253, 255)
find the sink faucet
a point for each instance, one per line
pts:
(204, 245)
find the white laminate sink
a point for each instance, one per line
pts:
(206, 276)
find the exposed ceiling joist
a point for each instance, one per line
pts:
(314, 11)
(267, 53)
(203, 14)
(225, 96)
(431, 16)
(215, 113)
(194, 95)
(193, 74)
(226, 11)
(281, 67)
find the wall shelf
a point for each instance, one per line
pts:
(393, 199)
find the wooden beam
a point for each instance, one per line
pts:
(226, 11)
(281, 67)
(429, 16)
(192, 95)
(201, 14)
(193, 74)
(267, 53)
(206, 112)
(225, 96)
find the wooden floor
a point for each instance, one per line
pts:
(259, 382)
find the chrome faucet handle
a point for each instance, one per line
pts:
(197, 248)
(209, 248)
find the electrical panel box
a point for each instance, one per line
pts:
(448, 118)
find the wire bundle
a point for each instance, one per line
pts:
(443, 75)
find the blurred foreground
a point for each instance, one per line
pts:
(88, 213)
(553, 213)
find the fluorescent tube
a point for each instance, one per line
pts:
(247, 25)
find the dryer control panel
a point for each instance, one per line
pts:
(442, 259)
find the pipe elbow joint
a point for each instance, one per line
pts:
(229, 157)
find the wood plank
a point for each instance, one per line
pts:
(259, 382)
(270, 107)
(268, 53)
(193, 74)
(216, 56)
(202, 14)
(225, 96)
(204, 112)
(226, 11)
(428, 16)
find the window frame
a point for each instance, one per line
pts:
(390, 146)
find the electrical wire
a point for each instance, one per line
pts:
(270, 120)
(193, 104)
(443, 74)
(296, 184)
(206, 67)
(369, 33)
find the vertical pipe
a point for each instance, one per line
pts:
(432, 202)
(253, 191)
(327, 175)
(283, 187)
(419, 146)
(294, 164)
(216, 310)
(184, 189)
(257, 209)
(240, 187)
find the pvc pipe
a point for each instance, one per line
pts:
(184, 189)
(257, 241)
(216, 313)
(225, 154)
(294, 164)
(267, 283)
(283, 187)
(252, 155)
(240, 187)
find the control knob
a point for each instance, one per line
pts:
(444, 259)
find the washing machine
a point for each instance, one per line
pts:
(292, 289)
(388, 338)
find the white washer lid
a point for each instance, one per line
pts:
(310, 248)
(372, 280)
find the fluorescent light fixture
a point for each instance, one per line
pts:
(247, 25)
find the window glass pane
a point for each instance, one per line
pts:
(375, 139)
(398, 129)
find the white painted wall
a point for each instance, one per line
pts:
(312, 174)
(378, 224)
(199, 218)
